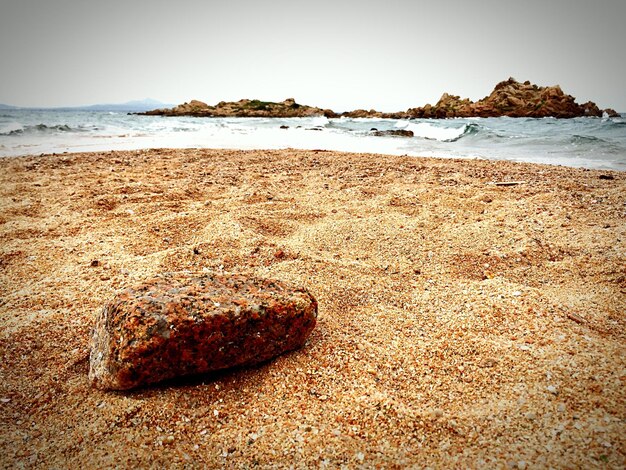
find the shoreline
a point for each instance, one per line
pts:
(584, 143)
(585, 165)
(461, 323)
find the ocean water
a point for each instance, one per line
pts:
(584, 142)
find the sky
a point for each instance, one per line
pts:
(388, 55)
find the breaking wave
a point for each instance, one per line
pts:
(18, 129)
(589, 142)
(583, 139)
(429, 131)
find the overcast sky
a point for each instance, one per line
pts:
(389, 55)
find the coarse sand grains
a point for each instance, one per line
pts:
(462, 322)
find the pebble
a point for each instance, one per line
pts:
(552, 389)
(576, 318)
(488, 362)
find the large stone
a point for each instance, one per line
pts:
(177, 325)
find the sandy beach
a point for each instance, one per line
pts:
(471, 312)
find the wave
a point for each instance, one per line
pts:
(615, 122)
(586, 139)
(428, 131)
(18, 129)
(10, 128)
(320, 121)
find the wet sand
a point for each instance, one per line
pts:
(462, 322)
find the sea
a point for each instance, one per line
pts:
(596, 143)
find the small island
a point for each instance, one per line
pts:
(509, 98)
(243, 108)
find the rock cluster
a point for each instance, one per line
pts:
(243, 108)
(177, 325)
(372, 113)
(510, 98)
(393, 132)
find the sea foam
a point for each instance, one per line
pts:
(429, 131)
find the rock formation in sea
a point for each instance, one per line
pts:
(393, 132)
(243, 108)
(178, 324)
(372, 113)
(510, 98)
(610, 112)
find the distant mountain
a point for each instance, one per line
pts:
(135, 105)
(129, 106)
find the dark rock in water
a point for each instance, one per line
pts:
(284, 127)
(394, 132)
(610, 112)
(177, 325)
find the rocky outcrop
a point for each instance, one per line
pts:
(372, 113)
(177, 325)
(510, 98)
(362, 113)
(393, 132)
(610, 112)
(243, 108)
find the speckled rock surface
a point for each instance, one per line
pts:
(177, 325)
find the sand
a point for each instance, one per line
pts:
(462, 323)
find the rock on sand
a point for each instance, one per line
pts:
(177, 325)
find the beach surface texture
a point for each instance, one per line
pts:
(471, 312)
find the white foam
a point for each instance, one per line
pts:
(428, 131)
(319, 121)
